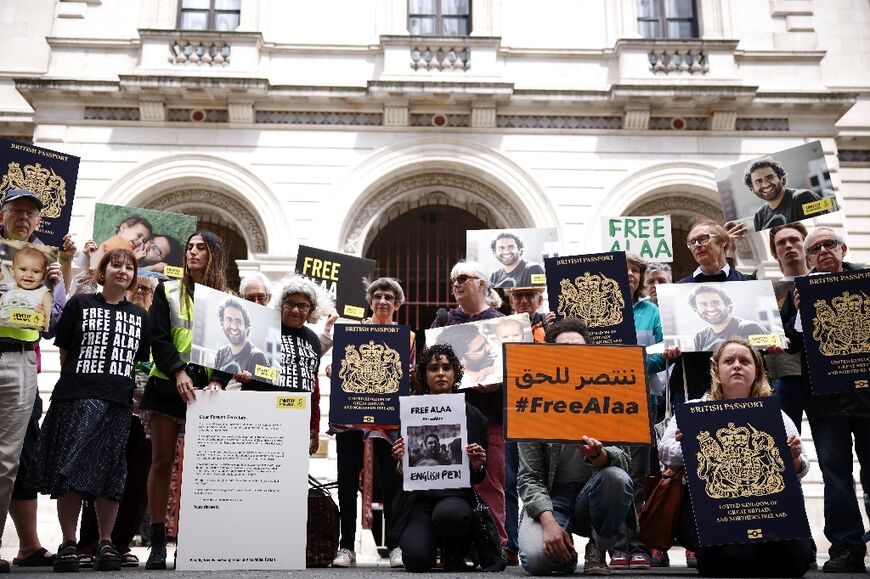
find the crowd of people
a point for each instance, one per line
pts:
(126, 379)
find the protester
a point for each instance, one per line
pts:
(477, 300)
(787, 248)
(88, 421)
(174, 380)
(254, 287)
(581, 489)
(523, 301)
(834, 419)
(629, 552)
(656, 274)
(131, 510)
(20, 404)
(737, 372)
(385, 296)
(426, 520)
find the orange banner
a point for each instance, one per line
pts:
(561, 392)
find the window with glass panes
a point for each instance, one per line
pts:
(209, 14)
(439, 17)
(667, 19)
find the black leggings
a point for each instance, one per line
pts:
(771, 559)
(432, 523)
(349, 447)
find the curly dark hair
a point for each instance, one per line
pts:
(446, 350)
(567, 325)
(762, 163)
(506, 235)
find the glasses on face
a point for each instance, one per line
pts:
(461, 279)
(829, 244)
(29, 213)
(144, 290)
(524, 296)
(261, 299)
(301, 306)
(698, 241)
(766, 179)
(238, 322)
(389, 298)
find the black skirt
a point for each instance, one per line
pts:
(84, 444)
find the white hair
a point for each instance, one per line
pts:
(815, 232)
(321, 303)
(252, 278)
(474, 269)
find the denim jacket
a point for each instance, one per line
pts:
(536, 473)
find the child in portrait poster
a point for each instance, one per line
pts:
(25, 295)
(435, 434)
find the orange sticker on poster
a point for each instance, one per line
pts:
(562, 392)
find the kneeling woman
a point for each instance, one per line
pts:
(425, 520)
(737, 372)
(101, 337)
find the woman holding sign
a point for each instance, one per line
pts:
(174, 381)
(425, 520)
(385, 296)
(737, 372)
(100, 336)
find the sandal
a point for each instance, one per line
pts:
(67, 558)
(108, 558)
(39, 558)
(130, 560)
(86, 560)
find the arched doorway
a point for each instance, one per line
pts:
(419, 247)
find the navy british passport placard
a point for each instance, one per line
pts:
(741, 475)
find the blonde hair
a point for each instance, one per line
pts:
(760, 386)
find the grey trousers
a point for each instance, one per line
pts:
(17, 393)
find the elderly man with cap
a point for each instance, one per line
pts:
(20, 405)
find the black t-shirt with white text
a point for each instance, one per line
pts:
(300, 358)
(103, 343)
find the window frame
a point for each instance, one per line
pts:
(212, 13)
(663, 21)
(439, 19)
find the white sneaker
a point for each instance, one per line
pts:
(396, 558)
(344, 558)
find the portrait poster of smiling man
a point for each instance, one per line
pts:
(740, 471)
(156, 238)
(783, 187)
(478, 345)
(513, 257)
(370, 370)
(50, 176)
(593, 288)
(232, 335)
(697, 317)
(561, 392)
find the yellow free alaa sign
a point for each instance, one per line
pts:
(562, 392)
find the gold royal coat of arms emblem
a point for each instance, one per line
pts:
(741, 461)
(373, 369)
(594, 298)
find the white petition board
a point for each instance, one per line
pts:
(244, 493)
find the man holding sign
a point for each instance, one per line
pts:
(570, 489)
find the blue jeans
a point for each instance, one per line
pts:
(833, 438)
(511, 500)
(594, 510)
(788, 390)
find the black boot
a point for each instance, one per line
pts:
(157, 556)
